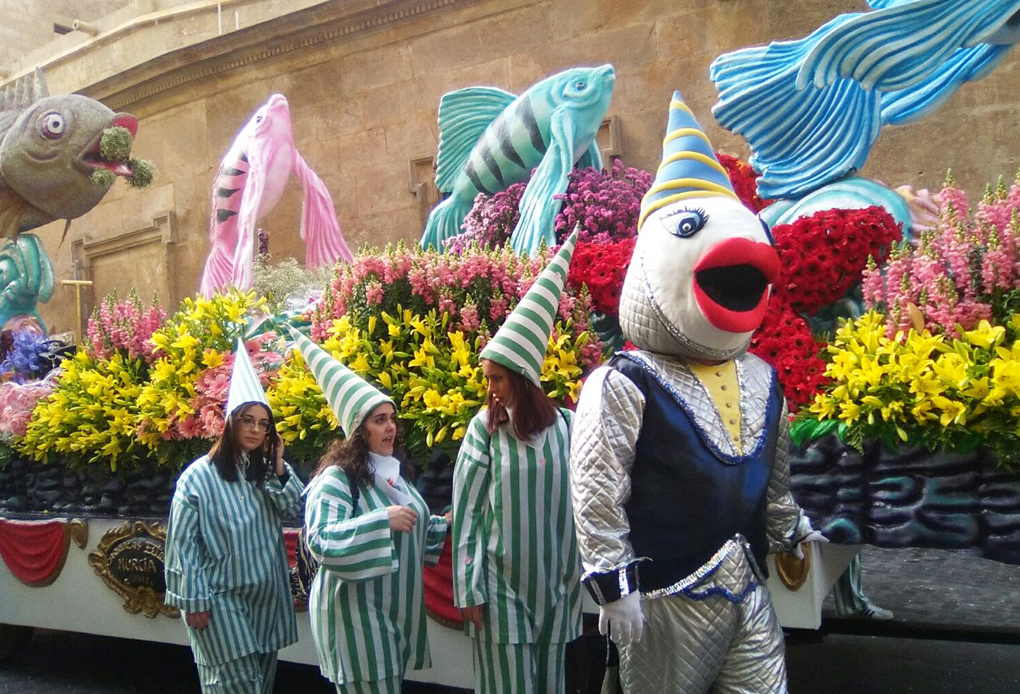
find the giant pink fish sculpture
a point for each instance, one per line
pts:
(249, 184)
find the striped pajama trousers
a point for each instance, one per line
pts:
(519, 668)
(390, 685)
(252, 674)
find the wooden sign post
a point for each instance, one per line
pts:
(77, 284)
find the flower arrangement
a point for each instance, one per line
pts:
(17, 400)
(92, 415)
(277, 283)
(476, 289)
(601, 269)
(931, 390)
(745, 181)
(414, 322)
(181, 405)
(963, 271)
(605, 205)
(427, 366)
(124, 327)
(786, 342)
(25, 357)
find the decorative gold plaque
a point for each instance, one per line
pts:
(130, 561)
(793, 572)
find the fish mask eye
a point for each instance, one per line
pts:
(52, 125)
(685, 223)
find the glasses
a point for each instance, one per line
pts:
(250, 422)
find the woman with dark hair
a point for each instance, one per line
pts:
(226, 565)
(371, 533)
(515, 561)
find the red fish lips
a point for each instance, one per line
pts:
(92, 158)
(731, 283)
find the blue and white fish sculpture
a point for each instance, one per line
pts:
(490, 139)
(812, 108)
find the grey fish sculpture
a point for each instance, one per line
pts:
(51, 148)
(490, 139)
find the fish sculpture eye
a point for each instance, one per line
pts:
(258, 119)
(685, 223)
(52, 125)
(580, 85)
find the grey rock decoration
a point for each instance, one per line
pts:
(490, 139)
(909, 498)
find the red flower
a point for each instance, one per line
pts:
(602, 267)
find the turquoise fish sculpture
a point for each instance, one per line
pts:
(490, 139)
(26, 278)
(812, 108)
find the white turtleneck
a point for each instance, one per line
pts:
(387, 477)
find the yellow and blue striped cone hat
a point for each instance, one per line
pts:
(520, 343)
(349, 396)
(689, 167)
(245, 386)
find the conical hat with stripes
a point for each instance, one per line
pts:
(349, 396)
(245, 386)
(689, 167)
(521, 343)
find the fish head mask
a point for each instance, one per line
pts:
(698, 283)
(52, 148)
(587, 91)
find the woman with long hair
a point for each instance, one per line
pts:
(226, 564)
(371, 532)
(516, 566)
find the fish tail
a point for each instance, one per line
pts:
(444, 222)
(320, 228)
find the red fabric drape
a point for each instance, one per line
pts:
(34, 551)
(290, 538)
(438, 582)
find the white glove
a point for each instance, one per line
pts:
(813, 536)
(623, 620)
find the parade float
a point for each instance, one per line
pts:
(902, 416)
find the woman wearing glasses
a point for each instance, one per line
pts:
(226, 566)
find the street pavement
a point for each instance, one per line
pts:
(956, 630)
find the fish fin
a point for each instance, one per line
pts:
(901, 44)
(63, 237)
(922, 99)
(801, 139)
(591, 159)
(247, 216)
(320, 228)
(444, 222)
(538, 204)
(24, 92)
(463, 117)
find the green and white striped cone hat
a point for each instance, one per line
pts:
(349, 396)
(245, 386)
(521, 342)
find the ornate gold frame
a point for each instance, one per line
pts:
(144, 600)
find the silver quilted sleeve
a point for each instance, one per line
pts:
(606, 428)
(786, 523)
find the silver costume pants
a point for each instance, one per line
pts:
(711, 645)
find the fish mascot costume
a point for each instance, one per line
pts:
(679, 472)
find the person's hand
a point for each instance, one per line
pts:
(813, 536)
(198, 620)
(278, 463)
(623, 620)
(448, 517)
(474, 614)
(402, 518)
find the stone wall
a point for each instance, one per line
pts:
(28, 24)
(364, 81)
